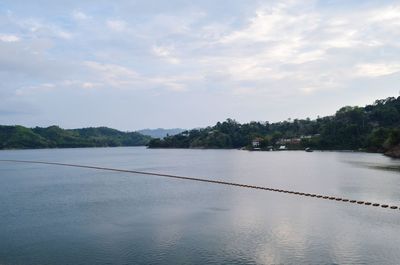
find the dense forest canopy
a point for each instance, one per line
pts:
(19, 137)
(374, 128)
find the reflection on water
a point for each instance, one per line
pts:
(53, 215)
(380, 166)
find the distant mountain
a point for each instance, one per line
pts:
(19, 137)
(160, 132)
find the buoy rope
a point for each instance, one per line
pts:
(312, 195)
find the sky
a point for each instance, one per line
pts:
(131, 65)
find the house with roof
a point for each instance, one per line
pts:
(256, 143)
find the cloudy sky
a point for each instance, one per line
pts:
(147, 64)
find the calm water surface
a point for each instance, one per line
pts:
(61, 215)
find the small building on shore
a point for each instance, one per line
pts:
(282, 147)
(256, 143)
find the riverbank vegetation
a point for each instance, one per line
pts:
(374, 128)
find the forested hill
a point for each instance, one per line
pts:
(375, 128)
(19, 137)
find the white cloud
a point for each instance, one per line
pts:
(165, 53)
(9, 38)
(376, 69)
(116, 25)
(40, 29)
(30, 90)
(121, 77)
(113, 75)
(62, 34)
(244, 91)
(111, 69)
(176, 87)
(79, 15)
(386, 14)
(278, 22)
(88, 85)
(166, 24)
(291, 41)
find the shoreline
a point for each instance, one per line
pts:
(391, 154)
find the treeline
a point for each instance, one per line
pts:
(374, 128)
(19, 137)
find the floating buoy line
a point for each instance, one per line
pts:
(312, 195)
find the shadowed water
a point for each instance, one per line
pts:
(61, 215)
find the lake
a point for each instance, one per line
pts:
(63, 215)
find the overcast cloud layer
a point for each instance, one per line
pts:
(139, 64)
